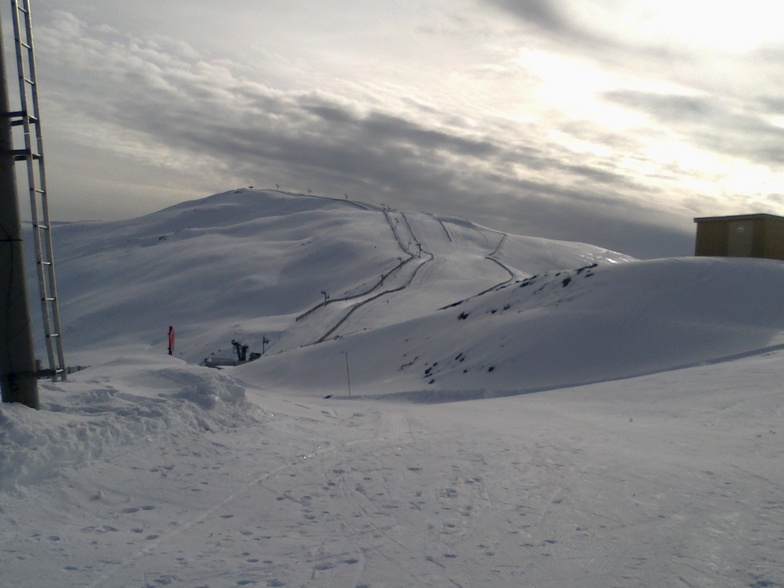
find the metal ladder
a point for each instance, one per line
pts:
(33, 155)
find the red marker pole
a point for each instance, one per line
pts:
(171, 340)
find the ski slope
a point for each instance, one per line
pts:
(466, 408)
(247, 263)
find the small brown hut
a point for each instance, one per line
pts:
(746, 235)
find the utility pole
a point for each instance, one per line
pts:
(18, 378)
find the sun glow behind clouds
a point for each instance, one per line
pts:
(573, 87)
(570, 89)
(735, 27)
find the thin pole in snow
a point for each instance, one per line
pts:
(348, 373)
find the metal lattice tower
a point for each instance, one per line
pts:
(33, 155)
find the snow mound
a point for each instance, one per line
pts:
(122, 403)
(564, 328)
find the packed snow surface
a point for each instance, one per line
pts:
(438, 404)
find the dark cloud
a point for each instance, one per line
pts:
(614, 224)
(665, 107)
(160, 102)
(554, 18)
(772, 104)
(543, 13)
(719, 124)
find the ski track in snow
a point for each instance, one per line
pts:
(396, 285)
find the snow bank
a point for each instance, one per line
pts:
(563, 328)
(126, 402)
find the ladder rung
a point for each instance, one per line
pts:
(21, 154)
(45, 262)
(20, 118)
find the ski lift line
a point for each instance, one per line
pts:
(28, 117)
(391, 291)
(355, 204)
(410, 230)
(394, 232)
(359, 305)
(443, 226)
(398, 238)
(417, 241)
(384, 276)
(498, 247)
(359, 295)
(499, 284)
(492, 258)
(379, 283)
(351, 311)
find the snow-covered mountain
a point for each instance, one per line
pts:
(418, 303)
(249, 263)
(652, 459)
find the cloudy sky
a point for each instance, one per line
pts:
(613, 122)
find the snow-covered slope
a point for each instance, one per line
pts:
(557, 329)
(146, 470)
(247, 264)
(411, 302)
